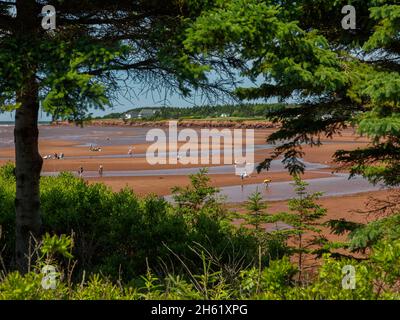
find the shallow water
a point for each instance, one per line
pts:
(104, 136)
(337, 185)
(276, 166)
(201, 153)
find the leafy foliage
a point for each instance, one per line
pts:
(256, 207)
(301, 55)
(119, 234)
(374, 279)
(209, 258)
(303, 218)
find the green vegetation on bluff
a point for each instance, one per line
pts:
(238, 111)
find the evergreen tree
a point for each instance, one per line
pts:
(256, 208)
(97, 45)
(338, 77)
(304, 219)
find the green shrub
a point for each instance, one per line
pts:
(123, 247)
(117, 234)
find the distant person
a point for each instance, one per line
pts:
(267, 182)
(80, 172)
(130, 151)
(61, 155)
(101, 169)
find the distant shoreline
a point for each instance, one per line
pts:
(186, 123)
(12, 123)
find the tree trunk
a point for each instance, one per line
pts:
(28, 168)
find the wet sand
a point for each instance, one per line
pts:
(161, 185)
(343, 199)
(121, 170)
(336, 185)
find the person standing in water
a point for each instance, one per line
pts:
(80, 172)
(101, 171)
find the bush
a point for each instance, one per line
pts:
(129, 248)
(120, 235)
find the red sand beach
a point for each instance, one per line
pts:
(115, 142)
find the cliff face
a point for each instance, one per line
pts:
(234, 124)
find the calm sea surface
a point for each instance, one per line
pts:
(103, 136)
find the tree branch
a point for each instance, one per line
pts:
(122, 67)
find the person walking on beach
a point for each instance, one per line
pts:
(101, 171)
(130, 151)
(80, 172)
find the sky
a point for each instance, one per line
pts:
(149, 99)
(143, 100)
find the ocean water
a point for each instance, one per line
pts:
(11, 123)
(102, 136)
(7, 133)
(6, 123)
(84, 136)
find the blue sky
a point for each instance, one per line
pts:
(151, 98)
(143, 100)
